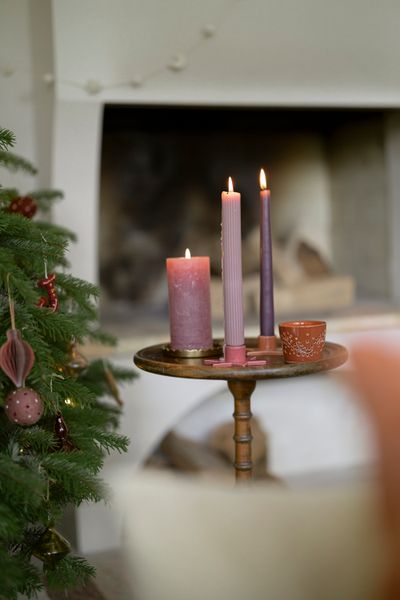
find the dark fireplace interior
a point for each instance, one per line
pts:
(163, 169)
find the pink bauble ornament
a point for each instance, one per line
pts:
(24, 406)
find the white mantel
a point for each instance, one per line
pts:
(267, 52)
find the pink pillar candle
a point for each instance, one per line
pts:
(189, 302)
(232, 268)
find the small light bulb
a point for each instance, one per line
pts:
(7, 71)
(208, 31)
(48, 78)
(178, 62)
(136, 81)
(93, 87)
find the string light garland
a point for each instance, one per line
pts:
(176, 64)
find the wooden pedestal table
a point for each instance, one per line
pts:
(241, 383)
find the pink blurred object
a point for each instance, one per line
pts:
(377, 378)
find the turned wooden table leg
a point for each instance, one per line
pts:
(241, 391)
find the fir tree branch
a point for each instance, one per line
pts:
(79, 292)
(77, 482)
(13, 162)
(7, 195)
(37, 478)
(36, 439)
(17, 577)
(68, 572)
(95, 378)
(7, 138)
(102, 337)
(56, 230)
(46, 195)
(106, 440)
(58, 326)
(77, 288)
(99, 415)
(10, 525)
(17, 278)
(16, 482)
(74, 389)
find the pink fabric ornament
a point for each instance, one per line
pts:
(16, 357)
(51, 301)
(61, 431)
(24, 406)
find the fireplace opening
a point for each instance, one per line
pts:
(163, 169)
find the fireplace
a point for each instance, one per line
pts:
(162, 170)
(288, 54)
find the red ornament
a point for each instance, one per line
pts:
(48, 284)
(16, 357)
(24, 406)
(61, 431)
(23, 205)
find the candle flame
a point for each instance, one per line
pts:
(263, 180)
(230, 185)
(187, 253)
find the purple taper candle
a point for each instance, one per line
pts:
(232, 267)
(267, 316)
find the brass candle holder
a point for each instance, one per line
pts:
(266, 346)
(216, 350)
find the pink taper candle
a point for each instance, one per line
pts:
(189, 302)
(232, 267)
(267, 317)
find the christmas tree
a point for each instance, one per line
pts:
(56, 425)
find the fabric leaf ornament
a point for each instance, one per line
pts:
(16, 358)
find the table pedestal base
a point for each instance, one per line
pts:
(241, 373)
(242, 391)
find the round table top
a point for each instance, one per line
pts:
(154, 360)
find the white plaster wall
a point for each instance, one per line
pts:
(75, 159)
(25, 101)
(16, 91)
